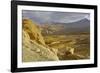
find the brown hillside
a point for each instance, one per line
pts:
(34, 48)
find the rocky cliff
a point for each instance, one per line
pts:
(34, 48)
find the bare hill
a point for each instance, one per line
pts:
(34, 48)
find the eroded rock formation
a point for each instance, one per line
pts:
(34, 48)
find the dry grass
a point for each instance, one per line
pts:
(80, 43)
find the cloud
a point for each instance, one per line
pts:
(47, 16)
(87, 17)
(69, 17)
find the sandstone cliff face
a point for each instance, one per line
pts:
(34, 48)
(33, 31)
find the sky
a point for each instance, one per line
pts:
(54, 17)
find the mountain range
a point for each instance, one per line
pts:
(65, 28)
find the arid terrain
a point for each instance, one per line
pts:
(70, 47)
(54, 42)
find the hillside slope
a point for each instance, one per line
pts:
(34, 48)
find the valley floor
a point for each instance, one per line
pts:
(70, 47)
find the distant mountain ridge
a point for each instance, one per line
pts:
(82, 23)
(64, 28)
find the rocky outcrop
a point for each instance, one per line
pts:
(33, 31)
(34, 48)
